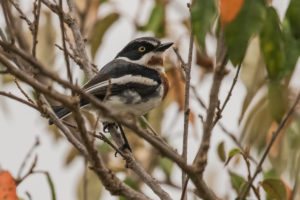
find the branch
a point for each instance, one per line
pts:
(219, 113)
(87, 68)
(132, 164)
(275, 134)
(200, 161)
(36, 13)
(9, 95)
(62, 27)
(186, 107)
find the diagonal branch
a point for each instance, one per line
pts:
(266, 152)
(200, 161)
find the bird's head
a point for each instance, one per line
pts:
(147, 51)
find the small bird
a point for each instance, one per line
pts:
(133, 82)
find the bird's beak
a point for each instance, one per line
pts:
(163, 47)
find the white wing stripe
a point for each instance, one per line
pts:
(123, 80)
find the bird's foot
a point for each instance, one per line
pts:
(123, 148)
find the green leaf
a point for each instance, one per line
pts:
(293, 15)
(166, 165)
(51, 185)
(221, 151)
(156, 21)
(238, 33)
(275, 189)
(238, 182)
(232, 153)
(202, 14)
(93, 185)
(291, 48)
(271, 42)
(101, 26)
(270, 174)
(277, 100)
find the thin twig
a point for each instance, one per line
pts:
(19, 99)
(219, 113)
(30, 171)
(23, 92)
(63, 32)
(187, 108)
(149, 125)
(34, 146)
(200, 160)
(102, 137)
(266, 152)
(87, 68)
(36, 13)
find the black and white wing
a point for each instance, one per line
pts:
(119, 77)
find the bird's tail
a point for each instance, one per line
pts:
(60, 112)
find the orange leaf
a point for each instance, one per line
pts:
(229, 10)
(7, 186)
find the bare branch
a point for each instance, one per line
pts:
(187, 108)
(19, 99)
(200, 161)
(266, 152)
(36, 13)
(62, 27)
(219, 113)
(87, 68)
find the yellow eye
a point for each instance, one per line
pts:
(142, 49)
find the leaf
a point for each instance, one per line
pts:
(232, 153)
(51, 186)
(271, 42)
(71, 155)
(229, 10)
(156, 21)
(246, 24)
(252, 73)
(275, 188)
(167, 166)
(238, 182)
(270, 174)
(291, 48)
(7, 186)
(202, 13)
(277, 100)
(221, 151)
(100, 28)
(257, 123)
(293, 16)
(94, 186)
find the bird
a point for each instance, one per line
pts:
(133, 82)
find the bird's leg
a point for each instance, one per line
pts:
(126, 144)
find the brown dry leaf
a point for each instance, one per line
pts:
(229, 9)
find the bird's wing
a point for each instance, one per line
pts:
(119, 75)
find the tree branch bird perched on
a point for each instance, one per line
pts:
(134, 82)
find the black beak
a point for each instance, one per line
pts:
(163, 47)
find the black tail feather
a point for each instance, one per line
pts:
(60, 112)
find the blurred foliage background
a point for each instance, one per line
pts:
(266, 45)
